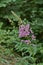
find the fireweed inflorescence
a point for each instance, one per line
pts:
(24, 31)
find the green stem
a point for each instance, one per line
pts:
(17, 18)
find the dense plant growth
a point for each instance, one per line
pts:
(21, 31)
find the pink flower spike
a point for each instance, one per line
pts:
(24, 30)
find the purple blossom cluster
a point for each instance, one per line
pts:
(24, 31)
(26, 41)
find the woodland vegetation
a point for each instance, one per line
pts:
(21, 32)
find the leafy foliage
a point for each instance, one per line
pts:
(30, 11)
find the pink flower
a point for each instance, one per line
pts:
(27, 33)
(22, 34)
(26, 41)
(24, 30)
(33, 37)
